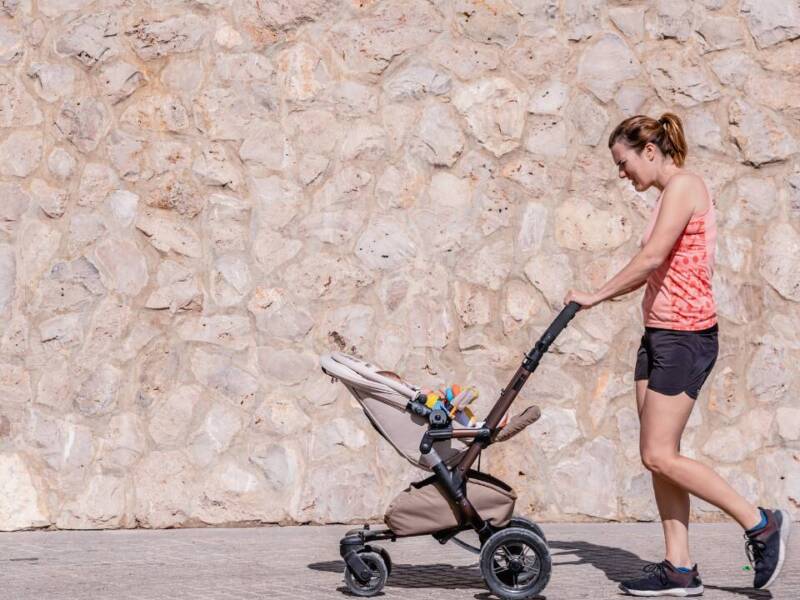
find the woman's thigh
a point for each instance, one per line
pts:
(663, 419)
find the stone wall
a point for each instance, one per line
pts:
(201, 196)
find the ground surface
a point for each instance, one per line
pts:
(303, 562)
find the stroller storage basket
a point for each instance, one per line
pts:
(424, 508)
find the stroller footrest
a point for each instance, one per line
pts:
(518, 423)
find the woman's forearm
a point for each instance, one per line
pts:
(630, 278)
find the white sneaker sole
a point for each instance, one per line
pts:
(681, 592)
(786, 525)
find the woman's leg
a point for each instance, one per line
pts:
(673, 505)
(663, 419)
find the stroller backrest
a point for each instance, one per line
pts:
(384, 402)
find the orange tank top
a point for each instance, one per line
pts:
(678, 293)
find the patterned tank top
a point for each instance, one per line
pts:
(678, 293)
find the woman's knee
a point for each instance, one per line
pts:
(657, 461)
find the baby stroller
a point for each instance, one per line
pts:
(514, 556)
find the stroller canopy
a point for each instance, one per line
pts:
(384, 402)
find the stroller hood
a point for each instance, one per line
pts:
(384, 402)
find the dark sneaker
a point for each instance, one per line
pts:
(663, 579)
(766, 548)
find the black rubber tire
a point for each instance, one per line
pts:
(526, 523)
(384, 553)
(379, 575)
(515, 564)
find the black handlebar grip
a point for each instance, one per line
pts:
(559, 323)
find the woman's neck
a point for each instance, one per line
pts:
(665, 174)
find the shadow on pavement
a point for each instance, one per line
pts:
(619, 564)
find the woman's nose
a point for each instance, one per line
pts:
(622, 174)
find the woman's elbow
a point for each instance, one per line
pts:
(651, 261)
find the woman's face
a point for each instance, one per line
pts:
(639, 167)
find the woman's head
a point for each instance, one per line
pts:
(642, 145)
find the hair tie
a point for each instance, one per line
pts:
(663, 122)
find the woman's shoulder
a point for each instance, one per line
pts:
(689, 188)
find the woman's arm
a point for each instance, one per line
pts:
(677, 207)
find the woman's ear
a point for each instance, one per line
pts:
(650, 151)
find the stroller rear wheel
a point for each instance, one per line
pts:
(527, 524)
(378, 575)
(515, 563)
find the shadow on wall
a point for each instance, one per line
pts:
(617, 565)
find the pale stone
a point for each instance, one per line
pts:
(586, 349)
(153, 39)
(593, 468)
(702, 127)
(231, 280)
(56, 8)
(520, 305)
(495, 201)
(17, 106)
(216, 432)
(352, 99)
(629, 20)
(159, 502)
(101, 505)
(215, 167)
(91, 38)
(489, 266)
(349, 326)
(166, 233)
(52, 81)
(771, 21)
(788, 420)
(760, 134)
(184, 75)
(84, 122)
(637, 500)
(547, 137)
(753, 202)
(277, 315)
(20, 153)
(38, 243)
(285, 366)
(157, 113)
(228, 331)
(631, 97)
(582, 18)
(178, 289)
(465, 58)
(122, 266)
(769, 374)
(170, 419)
(165, 156)
(227, 37)
(672, 19)
(733, 68)
(385, 245)
(495, 111)
(721, 33)
(488, 22)
(303, 73)
(63, 331)
(15, 384)
(555, 430)
(97, 394)
(588, 118)
(219, 373)
(124, 206)
(97, 182)
(365, 142)
(280, 464)
(69, 286)
(551, 275)
(532, 229)
(529, 173)
(439, 138)
(61, 164)
(680, 78)
(580, 226)
(52, 201)
(126, 153)
(331, 227)
(266, 146)
(84, 230)
(119, 80)
(777, 262)
(20, 504)
(368, 44)
(222, 114)
(728, 445)
(271, 250)
(416, 80)
(605, 64)
(62, 443)
(549, 98)
(473, 304)
(8, 274)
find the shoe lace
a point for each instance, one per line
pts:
(657, 570)
(754, 549)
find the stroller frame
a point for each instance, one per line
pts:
(453, 480)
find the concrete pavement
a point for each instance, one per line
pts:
(303, 562)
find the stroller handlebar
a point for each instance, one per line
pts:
(551, 333)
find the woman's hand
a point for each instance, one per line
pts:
(585, 299)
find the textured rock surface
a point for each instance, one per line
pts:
(199, 198)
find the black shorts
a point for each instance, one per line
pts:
(676, 361)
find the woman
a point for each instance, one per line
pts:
(677, 352)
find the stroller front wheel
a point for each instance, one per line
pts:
(378, 575)
(515, 564)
